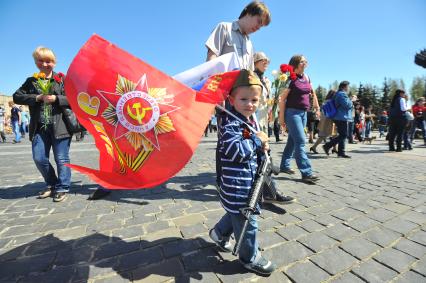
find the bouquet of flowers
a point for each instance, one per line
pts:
(44, 86)
(282, 79)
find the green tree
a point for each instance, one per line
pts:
(386, 96)
(418, 88)
(334, 86)
(321, 94)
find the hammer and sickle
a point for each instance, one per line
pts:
(140, 112)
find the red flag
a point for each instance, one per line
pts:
(217, 88)
(146, 125)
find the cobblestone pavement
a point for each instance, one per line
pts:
(363, 222)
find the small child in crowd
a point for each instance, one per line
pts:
(239, 152)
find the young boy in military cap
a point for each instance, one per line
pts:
(238, 155)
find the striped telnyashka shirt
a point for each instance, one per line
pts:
(238, 162)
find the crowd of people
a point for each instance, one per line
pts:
(239, 149)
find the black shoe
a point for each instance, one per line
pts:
(279, 199)
(278, 140)
(288, 171)
(398, 150)
(58, 197)
(98, 194)
(343, 156)
(326, 150)
(353, 142)
(311, 179)
(391, 149)
(261, 266)
(311, 149)
(334, 151)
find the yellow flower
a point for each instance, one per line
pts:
(283, 77)
(42, 75)
(36, 75)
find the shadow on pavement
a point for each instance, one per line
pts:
(197, 187)
(49, 259)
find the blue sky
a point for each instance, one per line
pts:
(356, 40)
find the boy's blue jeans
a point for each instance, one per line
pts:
(233, 223)
(42, 142)
(296, 122)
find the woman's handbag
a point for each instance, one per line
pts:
(73, 126)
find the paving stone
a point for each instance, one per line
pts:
(158, 272)
(292, 232)
(174, 248)
(334, 260)
(19, 230)
(160, 237)
(381, 215)
(269, 239)
(114, 249)
(419, 237)
(327, 220)
(157, 226)
(189, 220)
(26, 265)
(268, 224)
(340, 232)
(139, 258)
(420, 266)
(60, 274)
(360, 248)
(233, 271)
(346, 214)
(396, 207)
(114, 279)
(71, 256)
(287, 219)
(130, 232)
(381, 236)
(317, 241)
(395, 259)
(293, 251)
(347, 277)
(208, 277)
(411, 248)
(411, 277)
(311, 226)
(372, 271)
(200, 260)
(415, 217)
(362, 223)
(306, 272)
(401, 226)
(193, 230)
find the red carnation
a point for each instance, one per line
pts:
(293, 76)
(61, 75)
(286, 68)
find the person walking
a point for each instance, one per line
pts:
(325, 126)
(294, 103)
(419, 112)
(397, 120)
(15, 121)
(344, 107)
(2, 123)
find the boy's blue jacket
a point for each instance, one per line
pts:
(238, 155)
(344, 107)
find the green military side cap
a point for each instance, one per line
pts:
(246, 78)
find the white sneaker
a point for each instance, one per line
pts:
(223, 244)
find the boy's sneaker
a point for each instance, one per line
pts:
(58, 197)
(223, 244)
(261, 266)
(46, 193)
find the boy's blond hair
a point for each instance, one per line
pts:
(42, 52)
